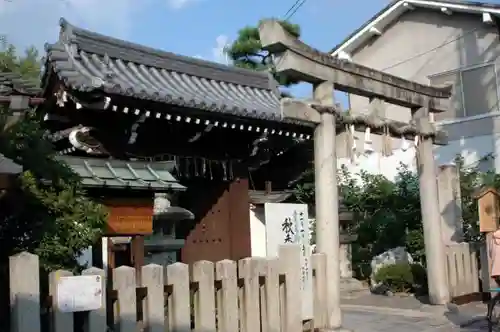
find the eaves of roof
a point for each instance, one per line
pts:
(395, 9)
(86, 61)
(119, 174)
(14, 84)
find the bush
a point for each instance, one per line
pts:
(419, 279)
(397, 277)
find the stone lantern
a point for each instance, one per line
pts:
(162, 246)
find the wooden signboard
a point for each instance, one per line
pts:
(129, 216)
(488, 208)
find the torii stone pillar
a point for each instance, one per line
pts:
(431, 216)
(327, 198)
(327, 201)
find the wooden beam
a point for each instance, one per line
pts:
(301, 62)
(269, 187)
(137, 253)
(33, 101)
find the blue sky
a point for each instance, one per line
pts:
(190, 27)
(196, 28)
(192, 30)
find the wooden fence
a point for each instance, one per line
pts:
(463, 272)
(226, 296)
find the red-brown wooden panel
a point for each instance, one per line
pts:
(129, 216)
(223, 230)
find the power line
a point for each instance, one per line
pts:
(289, 13)
(431, 50)
(293, 9)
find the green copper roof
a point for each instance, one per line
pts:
(124, 174)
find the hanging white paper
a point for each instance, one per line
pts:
(79, 293)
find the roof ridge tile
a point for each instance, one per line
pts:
(80, 58)
(100, 44)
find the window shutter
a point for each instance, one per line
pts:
(480, 90)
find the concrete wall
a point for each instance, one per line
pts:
(258, 231)
(426, 42)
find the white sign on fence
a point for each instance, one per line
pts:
(289, 223)
(79, 293)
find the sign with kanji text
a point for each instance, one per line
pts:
(289, 223)
(129, 217)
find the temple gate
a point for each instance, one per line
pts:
(142, 125)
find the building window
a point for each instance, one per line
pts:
(475, 91)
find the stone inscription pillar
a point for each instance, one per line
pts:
(431, 216)
(327, 214)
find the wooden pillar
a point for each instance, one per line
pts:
(111, 255)
(268, 187)
(431, 216)
(137, 253)
(327, 210)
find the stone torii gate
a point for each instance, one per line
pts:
(299, 61)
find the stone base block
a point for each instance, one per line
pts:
(351, 285)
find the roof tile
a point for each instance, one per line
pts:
(124, 174)
(88, 61)
(14, 84)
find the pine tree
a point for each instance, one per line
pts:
(247, 52)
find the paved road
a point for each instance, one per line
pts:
(364, 312)
(365, 321)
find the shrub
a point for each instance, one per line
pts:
(397, 277)
(419, 279)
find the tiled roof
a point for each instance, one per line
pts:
(87, 61)
(124, 174)
(14, 84)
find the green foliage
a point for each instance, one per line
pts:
(27, 65)
(48, 212)
(403, 277)
(397, 277)
(419, 278)
(387, 213)
(415, 244)
(246, 51)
